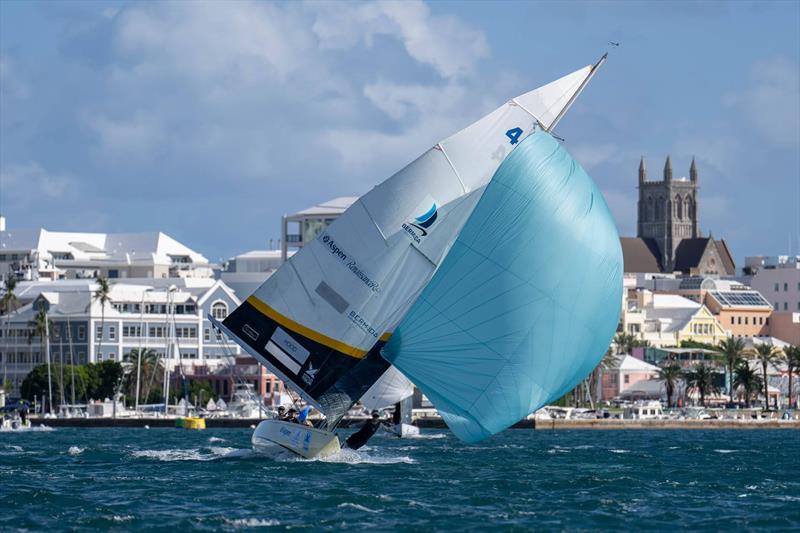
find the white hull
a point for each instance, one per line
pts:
(404, 431)
(303, 440)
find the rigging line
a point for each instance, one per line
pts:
(577, 93)
(455, 170)
(300, 279)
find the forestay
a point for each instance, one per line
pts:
(526, 302)
(320, 321)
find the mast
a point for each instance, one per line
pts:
(578, 92)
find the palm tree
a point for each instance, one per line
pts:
(748, 379)
(732, 350)
(41, 328)
(767, 354)
(791, 356)
(701, 379)
(144, 365)
(8, 304)
(670, 372)
(102, 296)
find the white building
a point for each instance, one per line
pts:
(42, 254)
(246, 272)
(166, 316)
(305, 225)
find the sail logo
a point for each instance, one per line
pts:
(419, 227)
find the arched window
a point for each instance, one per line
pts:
(649, 215)
(659, 208)
(689, 208)
(678, 207)
(219, 310)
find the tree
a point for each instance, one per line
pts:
(149, 366)
(41, 328)
(8, 304)
(748, 379)
(767, 354)
(625, 343)
(101, 295)
(670, 372)
(701, 379)
(732, 350)
(104, 378)
(791, 356)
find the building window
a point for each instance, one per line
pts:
(112, 333)
(82, 332)
(785, 287)
(777, 307)
(99, 332)
(627, 378)
(219, 310)
(777, 287)
(745, 321)
(206, 335)
(785, 306)
(732, 321)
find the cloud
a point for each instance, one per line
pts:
(136, 136)
(25, 184)
(771, 104)
(10, 83)
(444, 43)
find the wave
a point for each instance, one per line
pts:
(216, 439)
(616, 450)
(212, 453)
(32, 429)
(358, 507)
(726, 451)
(74, 450)
(252, 522)
(428, 436)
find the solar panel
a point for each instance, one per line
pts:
(740, 298)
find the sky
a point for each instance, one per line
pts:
(210, 120)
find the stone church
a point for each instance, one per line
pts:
(668, 236)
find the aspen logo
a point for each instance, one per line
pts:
(418, 228)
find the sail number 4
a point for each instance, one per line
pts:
(514, 135)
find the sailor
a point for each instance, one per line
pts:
(291, 416)
(360, 437)
(302, 418)
(281, 412)
(23, 414)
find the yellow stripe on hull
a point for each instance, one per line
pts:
(315, 336)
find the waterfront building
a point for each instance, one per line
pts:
(50, 255)
(741, 310)
(168, 316)
(244, 273)
(304, 226)
(624, 374)
(777, 278)
(668, 319)
(668, 236)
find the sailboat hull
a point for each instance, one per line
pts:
(305, 441)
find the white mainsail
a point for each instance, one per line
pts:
(391, 388)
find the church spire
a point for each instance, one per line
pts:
(642, 171)
(693, 171)
(668, 170)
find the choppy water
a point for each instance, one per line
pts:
(164, 479)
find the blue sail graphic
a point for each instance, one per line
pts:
(526, 302)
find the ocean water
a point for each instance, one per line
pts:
(166, 479)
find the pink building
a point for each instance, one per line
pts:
(629, 371)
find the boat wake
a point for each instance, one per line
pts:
(343, 456)
(427, 436)
(212, 453)
(26, 429)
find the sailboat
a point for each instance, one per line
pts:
(488, 271)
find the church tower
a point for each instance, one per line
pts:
(667, 211)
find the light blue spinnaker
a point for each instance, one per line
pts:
(526, 302)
